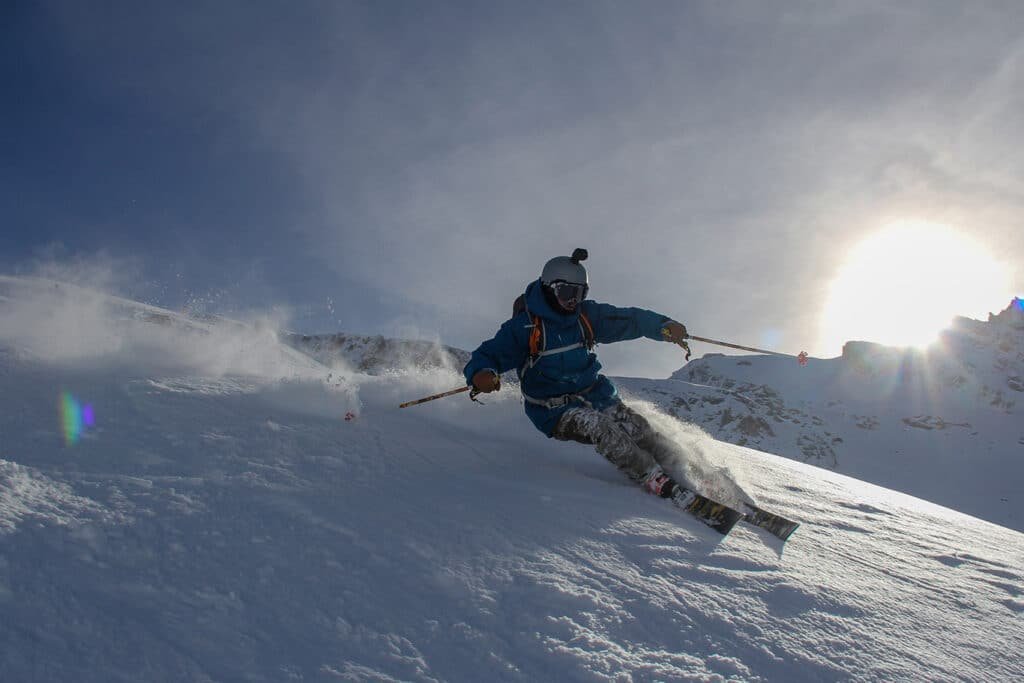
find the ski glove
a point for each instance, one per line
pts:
(485, 381)
(676, 333)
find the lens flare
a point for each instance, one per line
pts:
(903, 285)
(74, 418)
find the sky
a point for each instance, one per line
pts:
(406, 169)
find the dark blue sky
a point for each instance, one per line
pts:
(125, 132)
(405, 168)
(102, 151)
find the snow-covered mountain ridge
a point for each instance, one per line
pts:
(941, 423)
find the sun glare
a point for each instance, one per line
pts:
(904, 284)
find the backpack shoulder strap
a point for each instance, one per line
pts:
(588, 331)
(537, 339)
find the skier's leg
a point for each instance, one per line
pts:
(643, 433)
(662, 451)
(623, 436)
(611, 438)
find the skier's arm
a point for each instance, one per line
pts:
(612, 323)
(505, 351)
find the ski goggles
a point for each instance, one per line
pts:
(569, 294)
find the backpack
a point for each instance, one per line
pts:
(538, 338)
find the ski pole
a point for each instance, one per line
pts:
(473, 393)
(800, 357)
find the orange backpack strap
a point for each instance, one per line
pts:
(588, 331)
(536, 337)
(536, 343)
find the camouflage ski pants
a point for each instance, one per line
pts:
(619, 433)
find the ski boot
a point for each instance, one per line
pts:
(717, 516)
(659, 483)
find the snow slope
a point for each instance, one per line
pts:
(222, 521)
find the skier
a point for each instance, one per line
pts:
(550, 340)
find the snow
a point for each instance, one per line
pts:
(222, 521)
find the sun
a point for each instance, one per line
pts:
(904, 284)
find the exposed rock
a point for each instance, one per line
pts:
(754, 427)
(930, 422)
(866, 421)
(375, 355)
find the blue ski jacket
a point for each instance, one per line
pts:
(562, 378)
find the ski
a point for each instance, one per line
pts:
(777, 525)
(719, 517)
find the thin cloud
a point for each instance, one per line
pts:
(717, 159)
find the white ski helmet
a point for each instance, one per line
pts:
(566, 269)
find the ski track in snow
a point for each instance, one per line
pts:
(235, 527)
